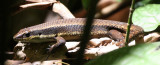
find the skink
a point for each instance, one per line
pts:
(72, 29)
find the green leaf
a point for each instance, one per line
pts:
(142, 54)
(86, 3)
(148, 17)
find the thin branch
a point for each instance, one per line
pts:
(129, 23)
(86, 34)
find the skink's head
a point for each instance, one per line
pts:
(23, 35)
(34, 35)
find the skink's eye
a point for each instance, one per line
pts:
(39, 34)
(56, 35)
(27, 35)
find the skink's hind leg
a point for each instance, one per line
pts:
(118, 36)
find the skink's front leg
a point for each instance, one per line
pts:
(60, 41)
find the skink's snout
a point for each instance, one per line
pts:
(19, 35)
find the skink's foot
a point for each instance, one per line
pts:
(120, 44)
